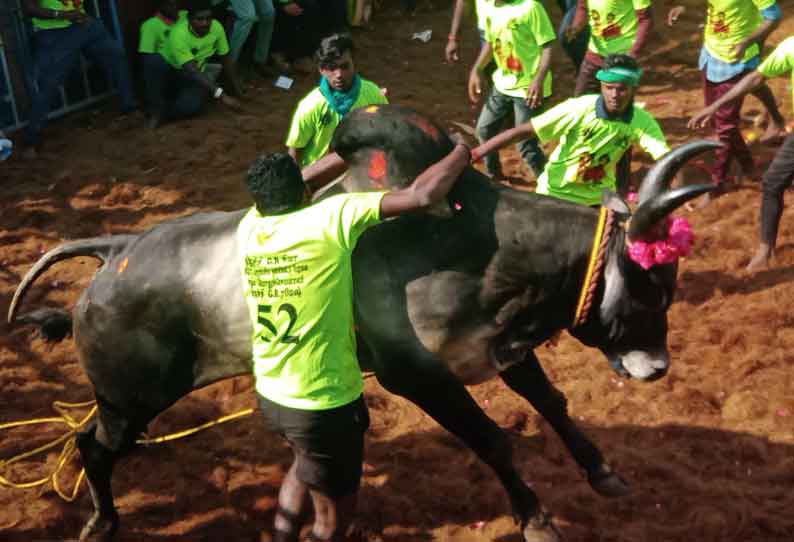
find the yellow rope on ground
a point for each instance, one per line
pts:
(70, 443)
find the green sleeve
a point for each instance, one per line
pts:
(763, 4)
(558, 120)
(303, 126)
(148, 41)
(642, 4)
(180, 48)
(779, 61)
(357, 212)
(221, 42)
(540, 25)
(651, 138)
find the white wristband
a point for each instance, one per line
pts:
(218, 93)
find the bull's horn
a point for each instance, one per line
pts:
(652, 211)
(658, 178)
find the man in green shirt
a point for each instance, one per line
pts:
(594, 131)
(155, 30)
(178, 82)
(341, 90)
(780, 174)
(518, 36)
(62, 32)
(297, 278)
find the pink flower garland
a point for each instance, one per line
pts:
(677, 244)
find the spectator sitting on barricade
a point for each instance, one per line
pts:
(180, 81)
(341, 90)
(63, 30)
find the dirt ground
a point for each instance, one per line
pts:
(709, 449)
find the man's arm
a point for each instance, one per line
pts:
(748, 83)
(475, 77)
(192, 70)
(431, 186)
(644, 26)
(759, 37)
(503, 139)
(579, 21)
(451, 51)
(535, 88)
(318, 174)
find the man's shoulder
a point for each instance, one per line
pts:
(313, 101)
(216, 28)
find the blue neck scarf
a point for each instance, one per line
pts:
(340, 101)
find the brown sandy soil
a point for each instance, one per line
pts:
(709, 449)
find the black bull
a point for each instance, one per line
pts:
(441, 300)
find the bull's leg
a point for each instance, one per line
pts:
(100, 447)
(448, 402)
(529, 380)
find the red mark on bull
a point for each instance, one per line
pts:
(378, 168)
(426, 126)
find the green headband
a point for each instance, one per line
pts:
(620, 75)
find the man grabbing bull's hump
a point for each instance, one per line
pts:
(594, 131)
(298, 287)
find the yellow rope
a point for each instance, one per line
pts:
(602, 218)
(70, 444)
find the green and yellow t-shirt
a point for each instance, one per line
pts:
(517, 32)
(183, 45)
(298, 284)
(728, 23)
(613, 25)
(780, 61)
(60, 5)
(155, 31)
(590, 146)
(314, 122)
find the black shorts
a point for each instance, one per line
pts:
(328, 444)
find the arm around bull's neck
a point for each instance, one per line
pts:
(503, 139)
(430, 187)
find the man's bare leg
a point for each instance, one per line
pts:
(332, 517)
(761, 258)
(776, 129)
(292, 498)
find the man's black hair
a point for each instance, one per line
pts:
(196, 6)
(620, 61)
(332, 48)
(276, 184)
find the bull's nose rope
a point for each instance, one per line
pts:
(594, 266)
(69, 444)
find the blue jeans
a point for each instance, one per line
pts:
(170, 93)
(57, 52)
(246, 14)
(498, 108)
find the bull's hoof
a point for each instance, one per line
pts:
(540, 529)
(608, 483)
(99, 528)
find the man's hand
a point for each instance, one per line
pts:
(475, 86)
(292, 9)
(740, 49)
(674, 14)
(451, 51)
(701, 118)
(535, 93)
(231, 103)
(75, 16)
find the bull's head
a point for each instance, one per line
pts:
(628, 320)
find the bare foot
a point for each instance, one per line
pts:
(773, 134)
(760, 260)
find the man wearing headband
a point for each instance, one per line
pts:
(594, 131)
(734, 34)
(780, 174)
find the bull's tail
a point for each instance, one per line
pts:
(54, 320)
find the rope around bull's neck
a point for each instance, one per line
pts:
(594, 266)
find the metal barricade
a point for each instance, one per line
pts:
(84, 86)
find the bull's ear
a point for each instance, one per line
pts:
(615, 203)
